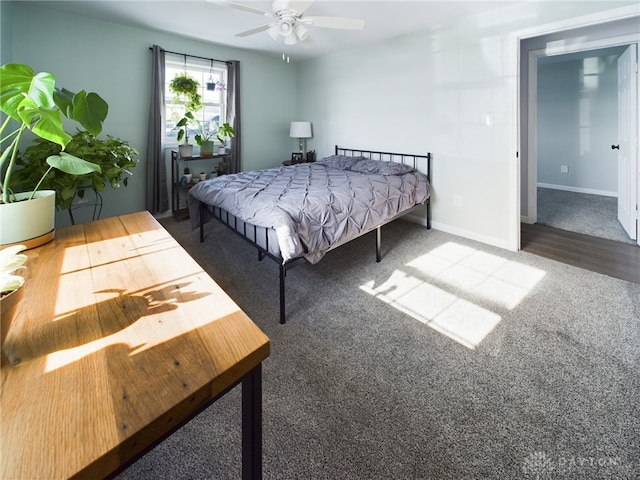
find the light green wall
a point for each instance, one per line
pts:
(5, 38)
(115, 61)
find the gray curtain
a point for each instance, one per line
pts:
(157, 195)
(233, 113)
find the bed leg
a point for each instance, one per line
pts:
(378, 241)
(201, 220)
(283, 272)
(429, 214)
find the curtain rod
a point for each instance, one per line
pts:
(194, 56)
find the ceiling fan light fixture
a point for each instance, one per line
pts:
(285, 26)
(273, 31)
(302, 32)
(290, 39)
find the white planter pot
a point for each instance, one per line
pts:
(222, 149)
(185, 150)
(26, 220)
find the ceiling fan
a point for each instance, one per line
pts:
(290, 24)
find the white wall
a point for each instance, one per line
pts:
(115, 61)
(451, 91)
(578, 122)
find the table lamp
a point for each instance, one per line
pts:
(301, 131)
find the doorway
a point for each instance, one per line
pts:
(578, 121)
(571, 42)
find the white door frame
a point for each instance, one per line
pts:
(532, 96)
(514, 50)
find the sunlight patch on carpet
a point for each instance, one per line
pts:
(433, 287)
(502, 282)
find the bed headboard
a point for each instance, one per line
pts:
(416, 161)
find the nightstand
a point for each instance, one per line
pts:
(310, 157)
(288, 163)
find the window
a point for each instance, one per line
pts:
(212, 79)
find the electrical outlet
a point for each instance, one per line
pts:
(457, 200)
(564, 168)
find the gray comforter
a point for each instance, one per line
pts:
(315, 206)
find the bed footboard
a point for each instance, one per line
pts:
(261, 238)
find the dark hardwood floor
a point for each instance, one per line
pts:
(616, 259)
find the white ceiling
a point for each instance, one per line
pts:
(214, 22)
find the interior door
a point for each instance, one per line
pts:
(628, 142)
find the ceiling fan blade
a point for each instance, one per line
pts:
(254, 30)
(334, 22)
(300, 6)
(239, 6)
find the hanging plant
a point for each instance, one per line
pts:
(188, 88)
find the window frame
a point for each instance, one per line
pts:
(203, 70)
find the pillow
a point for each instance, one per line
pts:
(343, 162)
(379, 167)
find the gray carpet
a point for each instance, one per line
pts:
(585, 213)
(448, 360)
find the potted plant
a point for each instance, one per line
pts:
(225, 131)
(188, 89)
(204, 137)
(11, 285)
(114, 156)
(36, 104)
(185, 149)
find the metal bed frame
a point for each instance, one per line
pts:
(250, 232)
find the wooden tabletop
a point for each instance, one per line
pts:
(121, 336)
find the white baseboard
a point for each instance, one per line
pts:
(495, 242)
(591, 191)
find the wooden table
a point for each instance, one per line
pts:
(120, 339)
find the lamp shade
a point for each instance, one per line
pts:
(300, 130)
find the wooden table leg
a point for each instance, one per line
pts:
(252, 424)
